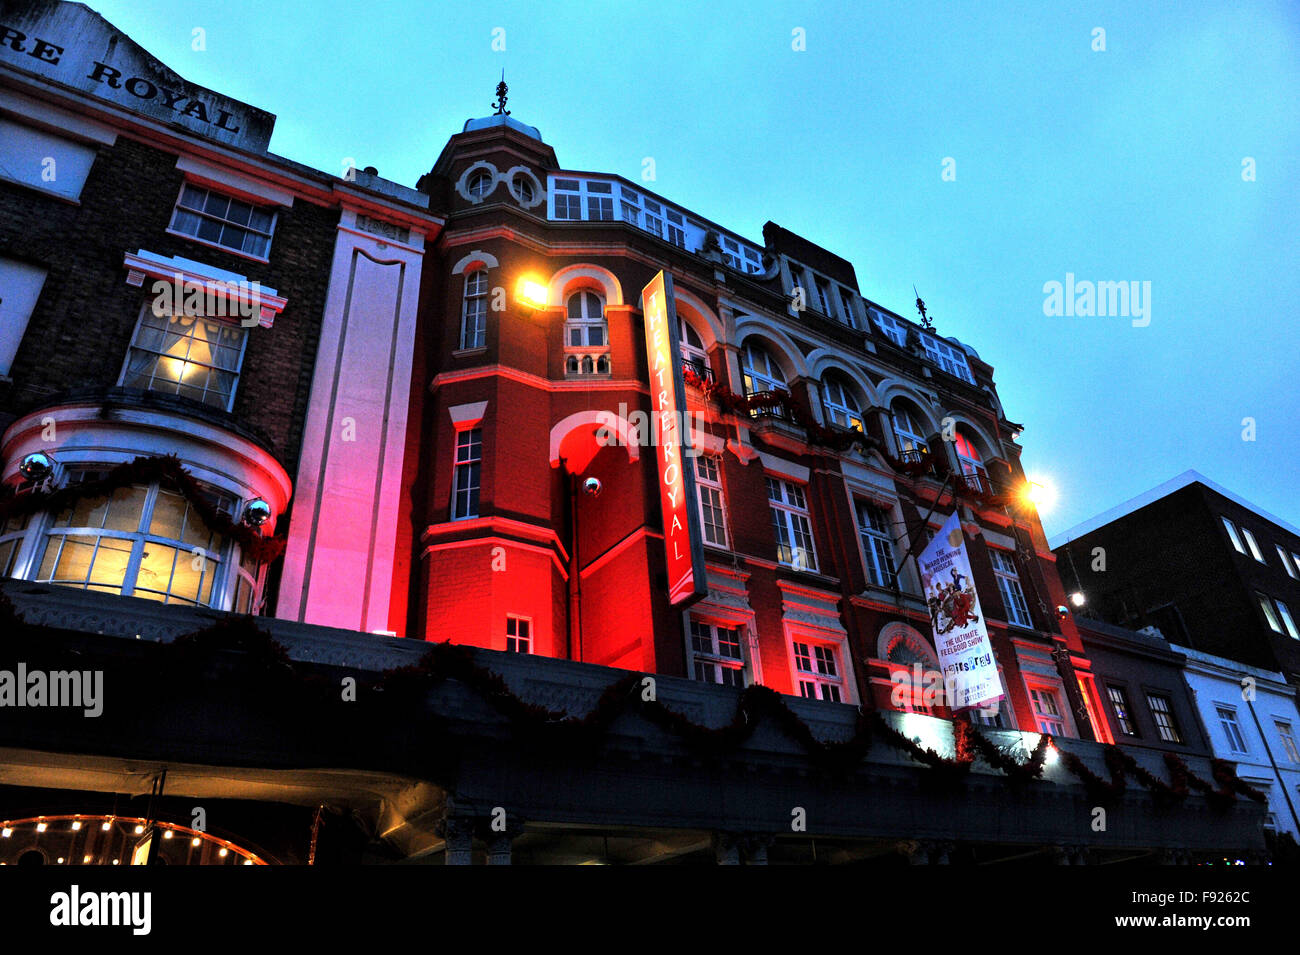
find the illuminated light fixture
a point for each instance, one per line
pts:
(195, 841)
(76, 825)
(115, 862)
(531, 293)
(1077, 598)
(248, 862)
(6, 832)
(41, 827)
(139, 830)
(1041, 495)
(224, 852)
(86, 860)
(168, 834)
(108, 824)
(1052, 755)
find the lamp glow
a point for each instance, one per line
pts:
(1040, 494)
(531, 293)
(1078, 599)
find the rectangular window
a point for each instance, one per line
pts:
(878, 544)
(1284, 612)
(519, 634)
(41, 160)
(1047, 712)
(1004, 572)
(600, 208)
(794, 542)
(1266, 604)
(818, 671)
(716, 653)
(193, 357)
(1250, 542)
(708, 484)
(465, 482)
(850, 314)
(1288, 740)
(892, 328)
(1119, 703)
(947, 357)
(20, 286)
(1163, 715)
(1232, 535)
(568, 206)
(631, 212)
(12, 531)
(473, 325)
(1287, 565)
(676, 229)
(1228, 720)
(224, 220)
(824, 297)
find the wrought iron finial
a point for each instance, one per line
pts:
(502, 90)
(920, 307)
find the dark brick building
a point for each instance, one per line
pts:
(1209, 570)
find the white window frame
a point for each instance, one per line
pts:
(1251, 543)
(146, 310)
(809, 679)
(770, 376)
(1287, 736)
(1123, 710)
(714, 661)
(1164, 732)
(708, 486)
(1233, 536)
(464, 458)
(1231, 728)
(268, 235)
(1287, 620)
(948, 357)
(879, 557)
(692, 354)
(790, 512)
(475, 293)
(892, 328)
(1048, 711)
(1286, 561)
(1007, 577)
(850, 310)
(906, 431)
(836, 398)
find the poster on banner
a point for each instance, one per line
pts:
(960, 636)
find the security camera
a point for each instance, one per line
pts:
(592, 486)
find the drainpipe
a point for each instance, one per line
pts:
(574, 648)
(1272, 762)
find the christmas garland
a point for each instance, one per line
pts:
(540, 726)
(166, 469)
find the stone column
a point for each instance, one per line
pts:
(499, 848)
(458, 834)
(726, 848)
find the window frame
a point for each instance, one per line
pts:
(1013, 597)
(705, 483)
(1251, 543)
(920, 445)
(478, 297)
(527, 639)
(833, 382)
(787, 513)
(1231, 728)
(1039, 694)
(826, 687)
(146, 310)
(882, 568)
(714, 660)
(1233, 537)
(274, 212)
(1287, 735)
(1286, 562)
(1168, 730)
(466, 442)
(1122, 710)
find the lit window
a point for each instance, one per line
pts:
(911, 446)
(1013, 597)
(1047, 712)
(1250, 542)
(841, 407)
(760, 371)
(968, 459)
(1266, 604)
(1233, 536)
(1119, 703)
(878, 544)
(194, 357)
(480, 184)
(224, 221)
(473, 322)
(692, 346)
(144, 541)
(13, 530)
(794, 542)
(519, 632)
(1288, 740)
(1163, 715)
(1228, 722)
(1288, 623)
(708, 484)
(465, 483)
(1287, 565)
(716, 655)
(818, 672)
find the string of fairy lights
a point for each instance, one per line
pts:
(113, 840)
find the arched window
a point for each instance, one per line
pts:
(910, 443)
(480, 184)
(586, 365)
(473, 322)
(586, 325)
(841, 407)
(524, 189)
(968, 459)
(693, 354)
(602, 365)
(760, 370)
(571, 364)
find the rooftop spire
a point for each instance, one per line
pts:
(920, 307)
(502, 90)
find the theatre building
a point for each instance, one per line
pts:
(353, 496)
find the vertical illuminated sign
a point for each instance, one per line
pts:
(682, 541)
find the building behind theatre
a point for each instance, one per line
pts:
(389, 445)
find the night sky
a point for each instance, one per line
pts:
(1117, 165)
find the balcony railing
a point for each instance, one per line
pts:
(766, 404)
(696, 372)
(977, 482)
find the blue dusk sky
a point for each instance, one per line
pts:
(1128, 164)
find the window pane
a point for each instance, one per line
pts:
(155, 568)
(125, 508)
(168, 514)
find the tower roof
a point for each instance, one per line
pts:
(488, 122)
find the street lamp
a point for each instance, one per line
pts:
(531, 293)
